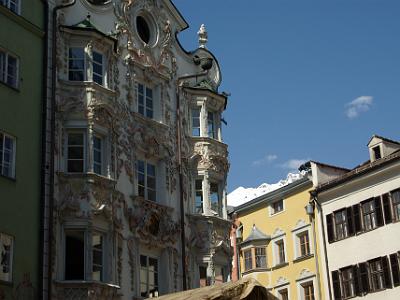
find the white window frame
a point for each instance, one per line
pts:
(202, 195)
(88, 63)
(156, 293)
(219, 194)
(7, 3)
(214, 131)
(296, 242)
(145, 98)
(192, 109)
(275, 252)
(88, 251)
(285, 286)
(271, 208)
(4, 68)
(13, 154)
(156, 179)
(102, 75)
(82, 131)
(305, 280)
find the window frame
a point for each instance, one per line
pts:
(305, 287)
(343, 224)
(198, 209)
(247, 259)
(376, 275)
(211, 132)
(306, 228)
(143, 94)
(4, 237)
(13, 155)
(7, 4)
(395, 212)
(88, 72)
(370, 215)
(101, 164)
(350, 281)
(283, 288)
(157, 259)
(145, 174)
(4, 68)
(192, 119)
(276, 250)
(82, 131)
(272, 211)
(262, 255)
(219, 196)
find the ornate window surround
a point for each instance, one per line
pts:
(305, 277)
(279, 235)
(300, 228)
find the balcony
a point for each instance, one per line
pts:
(85, 194)
(86, 290)
(210, 154)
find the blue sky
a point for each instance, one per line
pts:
(308, 79)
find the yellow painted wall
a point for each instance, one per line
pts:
(294, 210)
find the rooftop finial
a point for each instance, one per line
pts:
(203, 36)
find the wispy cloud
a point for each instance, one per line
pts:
(265, 160)
(293, 164)
(358, 105)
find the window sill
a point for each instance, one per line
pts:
(12, 179)
(147, 120)
(15, 89)
(90, 176)
(91, 84)
(206, 139)
(277, 213)
(304, 257)
(256, 270)
(281, 265)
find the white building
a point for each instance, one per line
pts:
(137, 201)
(359, 210)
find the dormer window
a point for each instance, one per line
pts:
(377, 152)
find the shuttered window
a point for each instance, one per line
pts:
(396, 204)
(394, 264)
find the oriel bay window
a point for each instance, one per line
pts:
(146, 180)
(80, 66)
(78, 244)
(254, 258)
(260, 257)
(204, 122)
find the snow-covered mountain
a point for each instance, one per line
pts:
(242, 195)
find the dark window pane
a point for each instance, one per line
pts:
(97, 57)
(75, 152)
(76, 53)
(74, 255)
(75, 166)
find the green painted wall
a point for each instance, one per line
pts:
(20, 116)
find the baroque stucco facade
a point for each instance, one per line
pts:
(136, 127)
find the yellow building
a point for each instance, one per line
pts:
(278, 246)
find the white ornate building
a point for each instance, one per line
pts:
(137, 201)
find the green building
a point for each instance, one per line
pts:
(22, 26)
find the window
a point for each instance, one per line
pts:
(377, 152)
(369, 215)
(394, 265)
(348, 280)
(304, 243)
(7, 155)
(203, 276)
(8, 69)
(377, 276)
(12, 5)
(195, 121)
(283, 294)
(146, 180)
(396, 204)
(280, 249)
(98, 67)
(75, 255)
(248, 262)
(145, 101)
(76, 152)
(199, 196)
(97, 155)
(143, 29)
(341, 227)
(211, 125)
(78, 64)
(277, 207)
(148, 276)
(97, 250)
(308, 290)
(6, 257)
(261, 260)
(214, 197)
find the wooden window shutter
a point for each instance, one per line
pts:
(336, 285)
(387, 208)
(356, 218)
(356, 277)
(364, 280)
(349, 216)
(329, 228)
(386, 272)
(378, 211)
(394, 263)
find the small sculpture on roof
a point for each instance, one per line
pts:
(203, 36)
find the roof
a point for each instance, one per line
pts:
(245, 288)
(307, 165)
(256, 235)
(384, 139)
(87, 25)
(359, 171)
(274, 194)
